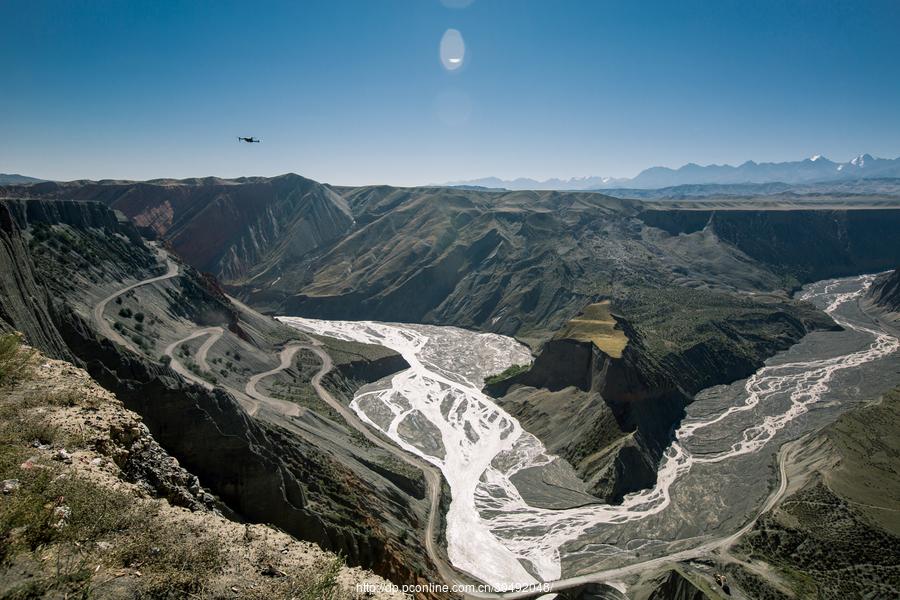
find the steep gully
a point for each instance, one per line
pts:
(492, 533)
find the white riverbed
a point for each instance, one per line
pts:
(491, 532)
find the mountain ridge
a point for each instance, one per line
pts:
(17, 179)
(810, 170)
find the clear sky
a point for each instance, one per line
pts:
(357, 91)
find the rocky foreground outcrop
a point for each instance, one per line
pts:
(125, 519)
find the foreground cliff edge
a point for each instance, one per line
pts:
(93, 506)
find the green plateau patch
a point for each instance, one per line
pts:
(596, 324)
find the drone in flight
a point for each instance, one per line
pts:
(249, 140)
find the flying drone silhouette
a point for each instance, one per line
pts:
(249, 140)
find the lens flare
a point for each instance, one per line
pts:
(453, 50)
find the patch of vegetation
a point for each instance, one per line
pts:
(175, 561)
(323, 584)
(343, 352)
(825, 548)
(63, 528)
(61, 397)
(511, 371)
(316, 581)
(67, 257)
(596, 324)
(15, 360)
(676, 319)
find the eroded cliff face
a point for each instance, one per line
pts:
(24, 304)
(806, 244)
(235, 229)
(612, 418)
(885, 292)
(605, 416)
(518, 263)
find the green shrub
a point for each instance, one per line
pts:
(15, 361)
(506, 374)
(323, 584)
(175, 560)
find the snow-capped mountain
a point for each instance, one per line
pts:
(525, 183)
(814, 169)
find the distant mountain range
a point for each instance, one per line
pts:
(15, 179)
(815, 169)
(524, 183)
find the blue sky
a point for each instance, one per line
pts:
(354, 92)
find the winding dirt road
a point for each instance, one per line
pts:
(284, 407)
(251, 398)
(214, 334)
(104, 326)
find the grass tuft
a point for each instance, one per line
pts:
(16, 361)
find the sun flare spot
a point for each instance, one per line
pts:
(452, 50)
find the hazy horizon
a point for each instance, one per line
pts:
(355, 93)
(430, 183)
